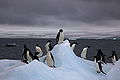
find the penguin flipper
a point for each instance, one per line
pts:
(54, 66)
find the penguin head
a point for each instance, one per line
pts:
(61, 30)
(99, 50)
(25, 46)
(113, 52)
(37, 45)
(74, 43)
(49, 41)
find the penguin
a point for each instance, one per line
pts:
(102, 55)
(113, 57)
(72, 45)
(84, 52)
(48, 46)
(27, 55)
(49, 59)
(38, 52)
(60, 37)
(98, 63)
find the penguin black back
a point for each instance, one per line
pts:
(53, 59)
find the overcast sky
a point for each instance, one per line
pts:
(56, 13)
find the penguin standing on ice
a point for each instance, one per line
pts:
(49, 59)
(48, 46)
(60, 37)
(84, 52)
(113, 57)
(103, 56)
(72, 45)
(27, 55)
(38, 52)
(98, 63)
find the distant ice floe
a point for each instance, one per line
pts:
(8, 31)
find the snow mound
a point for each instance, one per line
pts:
(114, 73)
(68, 67)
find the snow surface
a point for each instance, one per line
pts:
(68, 67)
(114, 73)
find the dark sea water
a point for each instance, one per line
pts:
(106, 45)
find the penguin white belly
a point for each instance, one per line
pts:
(38, 49)
(61, 38)
(97, 67)
(114, 60)
(73, 46)
(83, 53)
(49, 60)
(29, 57)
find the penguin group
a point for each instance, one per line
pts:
(49, 59)
(100, 59)
(27, 56)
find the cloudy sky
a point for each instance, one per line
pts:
(61, 13)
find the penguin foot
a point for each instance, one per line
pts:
(98, 71)
(54, 67)
(24, 61)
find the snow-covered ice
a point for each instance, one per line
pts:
(68, 67)
(114, 73)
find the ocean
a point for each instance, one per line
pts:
(15, 52)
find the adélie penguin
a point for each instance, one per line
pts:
(72, 45)
(98, 63)
(113, 57)
(49, 59)
(38, 52)
(60, 37)
(84, 52)
(27, 55)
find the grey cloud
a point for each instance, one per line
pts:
(49, 12)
